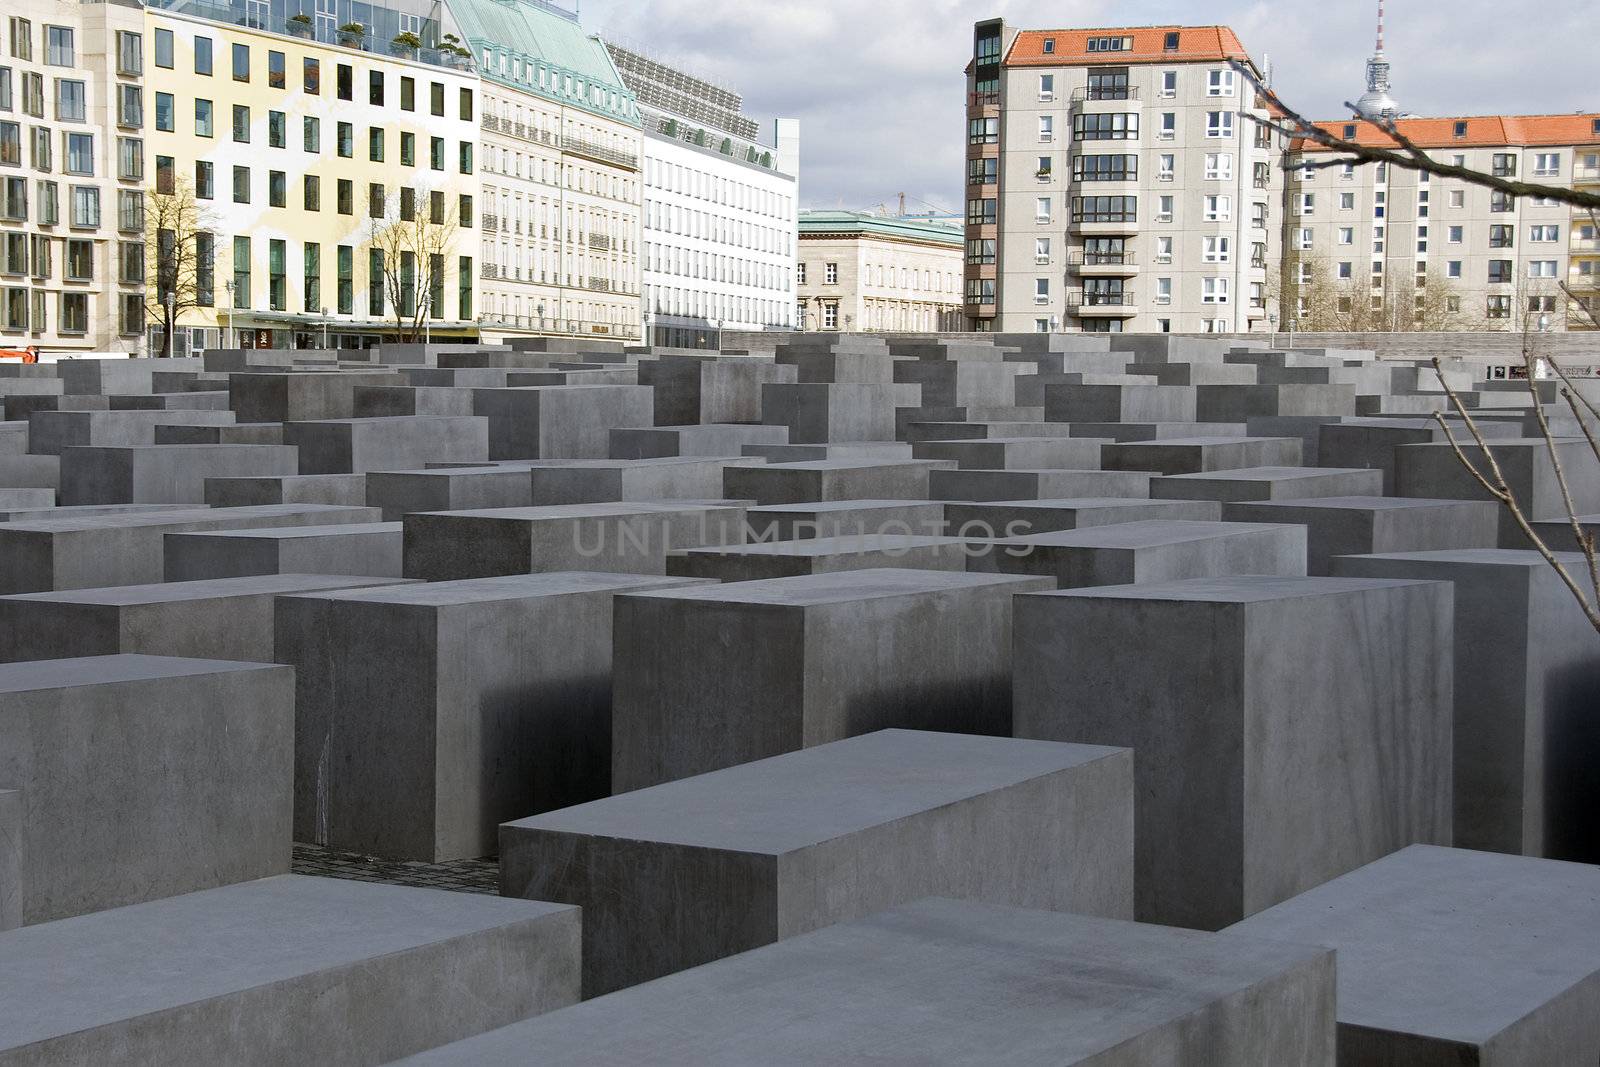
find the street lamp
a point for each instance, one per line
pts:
(324, 329)
(716, 324)
(232, 336)
(172, 315)
(541, 316)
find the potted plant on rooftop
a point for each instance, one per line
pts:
(300, 24)
(351, 34)
(405, 44)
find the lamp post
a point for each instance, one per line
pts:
(716, 324)
(172, 316)
(324, 329)
(427, 315)
(232, 337)
(541, 316)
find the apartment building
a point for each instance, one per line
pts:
(301, 139)
(719, 208)
(72, 171)
(1115, 182)
(1378, 247)
(861, 273)
(562, 181)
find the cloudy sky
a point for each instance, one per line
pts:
(877, 84)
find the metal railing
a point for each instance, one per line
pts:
(1077, 299)
(594, 150)
(1082, 257)
(545, 324)
(1104, 92)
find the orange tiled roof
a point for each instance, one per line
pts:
(1483, 131)
(1195, 44)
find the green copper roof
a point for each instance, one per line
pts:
(537, 50)
(940, 231)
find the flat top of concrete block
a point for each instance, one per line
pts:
(1190, 442)
(843, 545)
(1361, 503)
(790, 802)
(1448, 942)
(510, 587)
(601, 510)
(1525, 558)
(75, 974)
(202, 589)
(837, 588)
(936, 981)
(295, 533)
(32, 675)
(1235, 589)
(830, 506)
(857, 463)
(445, 470)
(1495, 445)
(382, 419)
(1266, 474)
(1068, 503)
(634, 464)
(1144, 534)
(199, 513)
(168, 450)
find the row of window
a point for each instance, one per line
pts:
(1110, 126)
(911, 279)
(378, 201)
(29, 310)
(83, 205)
(734, 270)
(1112, 83)
(60, 49)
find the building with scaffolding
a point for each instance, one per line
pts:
(719, 207)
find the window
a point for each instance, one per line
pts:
(466, 157)
(1213, 290)
(311, 76)
(49, 213)
(311, 134)
(241, 185)
(277, 189)
(1499, 271)
(1163, 290)
(59, 51)
(164, 49)
(276, 281)
(1104, 209)
(241, 272)
(375, 144)
(345, 194)
(983, 131)
(1041, 290)
(1460, 130)
(80, 260)
(1501, 236)
(1498, 307)
(1543, 234)
(1503, 165)
(1347, 235)
(1458, 198)
(1219, 82)
(981, 212)
(1164, 209)
(202, 118)
(408, 149)
(311, 292)
(85, 207)
(80, 154)
(408, 204)
(1163, 250)
(375, 88)
(74, 313)
(830, 274)
(1169, 126)
(464, 105)
(980, 251)
(1500, 202)
(1305, 204)
(1547, 164)
(375, 268)
(69, 100)
(1219, 124)
(1047, 128)
(22, 38)
(1108, 83)
(1218, 208)
(436, 153)
(33, 93)
(375, 200)
(1347, 201)
(311, 192)
(1107, 168)
(1219, 166)
(1041, 250)
(345, 257)
(1117, 126)
(408, 94)
(241, 124)
(1049, 45)
(1041, 209)
(1169, 83)
(241, 62)
(463, 209)
(130, 159)
(1542, 268)
(345, 82)
(346, 140)
(986, 171)
(1304, 238)
(277, 71)
(204, 182)
(1165, 164)
(800, 269)
(436, 99)
(202, 56)
(1217, 249)
(277, 131)
(1047, 87)
(1452, 269)
(11, 144)
(130, 263)
(1346, 270)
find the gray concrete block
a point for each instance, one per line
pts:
(162, 474)
(819, 413)
(626, 538)
(1448, 956)
(142, 777)
(30, 472)
(1559, 535)
(11, 859)
(582, 481)
(282, 970)
(982, 431)
(1158, 550)
(722, 389)
(709, 677)
(492, 699)
(812, 453)
(560, 422)
(301, 396)
(721, 439)
(251, 433)
(1268, 483)
(844, 518)
(26, 499)
(1120, 403)
(1360, 525)
(50, 432)
(400, 492)
(374, 548)
(29, 514)
(1287, 729)
(390, 401)
(103, 377)
(215, 618)
(1527, 668)
(943, 981)
(1021, 453)
(1017, 518)
(1156, 431)
(1371, 442)
(355, 446)
(688, 872)
(1037, 485)
(822, 555)
(831, 479)
(344, 490)
(1195, 455)
(1237, 403)
(1432, 470)
(82, 551)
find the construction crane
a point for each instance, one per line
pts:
(27, 355)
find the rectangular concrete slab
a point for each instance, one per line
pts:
(1361, 525)
(282, 970)
(367, 547)
(1286, 730)
(832, 479)
(956, 982)
(1037, 484)
(1017, 518)
(144, 776)
(717, 675)
(683, 873)
(1159, 550)
(1195, 455)
(843, 518)
(817, 555)
(162, 474)
(1268, 483)
(1448, 956)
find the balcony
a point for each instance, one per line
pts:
(983, 99)
(1114, 224)
(546, 325)
(1102, 264)
(1585, 245)
(1122, 93)
(599, 242)
(1102, 305)
(1582, 175)
(582, 146)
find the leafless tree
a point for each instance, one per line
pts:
(1582, 579)
(414, 236)
(179, 228)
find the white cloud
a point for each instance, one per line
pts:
(878, 87)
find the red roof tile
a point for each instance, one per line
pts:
(1195, 44)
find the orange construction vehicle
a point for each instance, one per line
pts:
(27, 355)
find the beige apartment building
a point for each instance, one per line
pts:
(862, 273)
(1378, 247)
(1115, 183)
